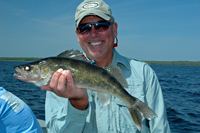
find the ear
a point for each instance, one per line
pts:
(115, 26)
(77, 35)
(76, 32)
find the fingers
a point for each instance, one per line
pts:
(62, 83)
(46, 87)
(55, 77)
(66, 85)
(54, 81)
(70, 81)
(61, 86)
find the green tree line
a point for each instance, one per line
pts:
(19, 58)
(188, 63)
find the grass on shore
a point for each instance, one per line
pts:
(188, 63)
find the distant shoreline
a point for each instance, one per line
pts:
(185, 63)
(19, 59)
(181, 63)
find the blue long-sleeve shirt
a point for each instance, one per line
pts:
(61, 116)
(15, 115)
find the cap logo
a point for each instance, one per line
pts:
(90, 5)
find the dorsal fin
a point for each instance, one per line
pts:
(117, 73)
(75, 54)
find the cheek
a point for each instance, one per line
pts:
(109, 37)
(82, 39)
(82, 42)
(107, 34)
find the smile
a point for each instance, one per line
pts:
(95, 43)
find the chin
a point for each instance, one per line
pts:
(92, 54)
(96, 53)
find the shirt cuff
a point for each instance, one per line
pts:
(76, 114)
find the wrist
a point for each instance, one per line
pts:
(80, 104)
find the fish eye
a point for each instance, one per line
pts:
(27, 68)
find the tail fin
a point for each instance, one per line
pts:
(139, 110)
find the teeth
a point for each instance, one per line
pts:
(95, 43)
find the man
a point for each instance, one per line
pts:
(78, 110)
(15, 115)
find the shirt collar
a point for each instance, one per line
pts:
(119, 59)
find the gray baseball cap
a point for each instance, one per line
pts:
(93, 7)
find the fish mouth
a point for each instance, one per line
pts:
(20, 75)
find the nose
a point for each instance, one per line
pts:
(93, 32)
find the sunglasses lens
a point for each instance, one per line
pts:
(99, 26)
(82, 29)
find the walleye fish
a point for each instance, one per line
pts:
(106, 81)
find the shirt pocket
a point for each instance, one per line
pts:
(136, 89)
(124, 122)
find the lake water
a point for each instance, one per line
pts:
(180, 85)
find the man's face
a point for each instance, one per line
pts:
(97, 44)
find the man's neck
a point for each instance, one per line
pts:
(104, 62)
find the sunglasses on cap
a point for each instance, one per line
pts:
(99, 26)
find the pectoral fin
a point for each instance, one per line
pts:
(104, 98)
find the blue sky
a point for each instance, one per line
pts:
(147, 29)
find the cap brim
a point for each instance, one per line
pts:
(88, 13)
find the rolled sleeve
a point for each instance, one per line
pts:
(67, 119)
(75, 113)
(75, 119)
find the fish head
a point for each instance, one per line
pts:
(38, 73)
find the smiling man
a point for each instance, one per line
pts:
(97, 41)
(72, 109)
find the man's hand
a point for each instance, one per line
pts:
(62, 84)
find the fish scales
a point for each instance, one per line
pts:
(109, 80)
